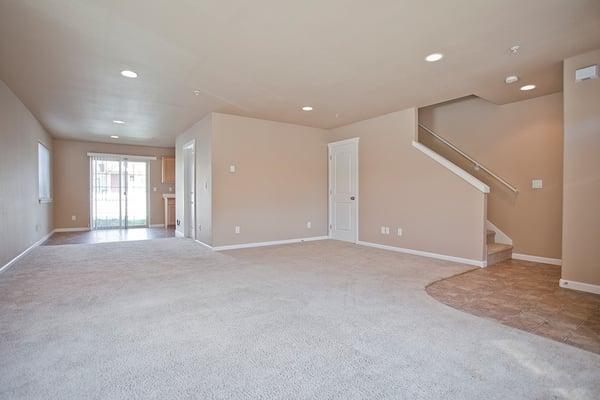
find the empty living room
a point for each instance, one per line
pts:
(389, 199)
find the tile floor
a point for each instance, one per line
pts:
(525, 295)
(109, 235)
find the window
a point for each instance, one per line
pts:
(44, 174)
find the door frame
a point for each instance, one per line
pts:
(120, 158)
(355, 141)
(189, 226)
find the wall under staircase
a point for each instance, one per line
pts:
(519, 141)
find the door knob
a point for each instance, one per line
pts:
(352, 198)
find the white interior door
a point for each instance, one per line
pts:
(189, 184)
(343, 190)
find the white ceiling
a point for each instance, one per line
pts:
(267, 58)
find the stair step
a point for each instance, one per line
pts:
(498, 252)
(490, 236)
(493, 248)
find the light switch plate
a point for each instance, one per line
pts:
(383, 230)
(537, 184)
(237, 229)
(232, 168)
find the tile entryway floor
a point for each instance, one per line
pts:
(525, 295)
(109, 235)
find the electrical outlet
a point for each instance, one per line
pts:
(399, 231)
(237, 229)
(308, 225)
(537, 184)
(383, 230)
(232, 168)
(73, 217)
(154, 189)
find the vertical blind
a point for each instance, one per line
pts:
(44, 194)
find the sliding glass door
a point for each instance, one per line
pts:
(119, 193)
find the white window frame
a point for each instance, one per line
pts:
(47, 174)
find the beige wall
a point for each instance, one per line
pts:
(24, 219)
(279, 185)
(72, 179)
(519, 141)
(400, 187)
(581, 201)
(201, 134)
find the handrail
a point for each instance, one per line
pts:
(465, 155)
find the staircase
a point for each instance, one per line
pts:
(496, 252)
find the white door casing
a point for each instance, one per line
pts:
(189, 161)
(343, 190)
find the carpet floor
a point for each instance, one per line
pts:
(169, 319)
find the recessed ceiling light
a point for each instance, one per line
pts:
(118, 121)
(511, 79)
(434, 57)
(129, 74)
(307, 108)
(114, 136)
(527, 87)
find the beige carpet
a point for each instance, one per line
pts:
(168, 319)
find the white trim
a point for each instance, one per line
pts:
(543, 260)
(584, 287)
(452, 167)
(122, 157)
(83, 229)
(27, 250)
(179, 234)
(469, 261)
(204, 244)
(272, 243)
(345, 141)
(156, 226)
(500, 237)
(355, 140)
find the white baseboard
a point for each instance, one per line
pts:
(27, 250)
(272, 243)
(156, 226)
(469, 261)
(543, 260)
(584, 287)
(83, 229)
(179, 234)
(203, 244)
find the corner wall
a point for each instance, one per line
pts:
(24, 219)
(581, 199)
(279, 185)
(201, 133)
(400, 187)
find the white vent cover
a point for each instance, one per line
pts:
(590, 72)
